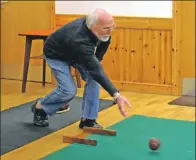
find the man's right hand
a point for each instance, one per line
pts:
(121, 101)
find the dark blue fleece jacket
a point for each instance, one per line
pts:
(75, 43)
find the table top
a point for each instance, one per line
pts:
(44, 32)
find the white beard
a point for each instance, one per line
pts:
(104, 39)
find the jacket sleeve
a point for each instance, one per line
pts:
(87, 57)
(102, 49)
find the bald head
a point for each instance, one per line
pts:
(98, 16)
(103, 17)
(100, 22)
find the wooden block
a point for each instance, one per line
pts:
(100, 131)
(67, 139)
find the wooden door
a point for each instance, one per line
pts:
(183, 46)
(16, 17)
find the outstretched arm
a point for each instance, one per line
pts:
(93, 66)
(87, 57)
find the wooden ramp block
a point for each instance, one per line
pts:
(100, 131)
(67, 139)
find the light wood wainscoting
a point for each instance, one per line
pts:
(17, 17)
(140, 55)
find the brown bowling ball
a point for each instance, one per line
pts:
(154, 144)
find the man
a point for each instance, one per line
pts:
(81, 44)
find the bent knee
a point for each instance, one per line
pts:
(68, 93)
(72, 93)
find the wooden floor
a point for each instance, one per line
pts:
(144, 104)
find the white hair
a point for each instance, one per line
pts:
(92, 17)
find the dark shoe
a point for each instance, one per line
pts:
(89, 123)
(65, 108)
(40, 118)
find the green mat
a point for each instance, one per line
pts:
(131, 143)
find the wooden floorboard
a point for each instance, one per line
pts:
(144, 104)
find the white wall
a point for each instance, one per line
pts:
(119, 8)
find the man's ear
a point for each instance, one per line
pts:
(93, 27)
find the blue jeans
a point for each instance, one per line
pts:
(66, 90)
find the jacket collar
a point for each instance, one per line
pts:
(89, 32)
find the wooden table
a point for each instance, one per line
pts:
(36, 35)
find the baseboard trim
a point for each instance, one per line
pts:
(141, 87)
(15, 72)
(9, 79)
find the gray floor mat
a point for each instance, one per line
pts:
(17, 128)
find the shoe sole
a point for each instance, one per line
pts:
(63, 111)
(82, 127)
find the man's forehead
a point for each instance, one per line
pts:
(106, 21)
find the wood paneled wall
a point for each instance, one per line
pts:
(183, 45)
(187, 60)
(17, 17)
(140, 55)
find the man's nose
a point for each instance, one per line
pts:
(109, 31)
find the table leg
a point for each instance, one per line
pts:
(44, 72)
(26, 62)
(78, 78)
(44, 67)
